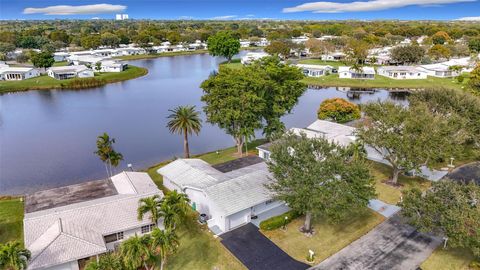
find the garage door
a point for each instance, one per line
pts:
(237, 219)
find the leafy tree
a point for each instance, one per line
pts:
(223, 44)
(409, 137)
(439, 52)
(318, 178)
(475, 79)
(43, 60)
(440, 38)
(410, 54)
(59, 35)
(339, 110)
(474, 45)
(22, 58)
(152, 206)
(107, 154)
(107, 261)
(135, 252)
(184, 120)
(98, 66)
(232, 103)
(279, 48)
(178, 202)
(91, 41)
(357, 51)
(110, 40)
(318, 47)
(28, 42)
(13, 256)
(165, 242)
(448, 208)
(6, 47)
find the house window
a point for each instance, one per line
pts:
(147, 228)
(113, 237)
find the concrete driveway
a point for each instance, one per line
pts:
(257, 252)
(389, 246)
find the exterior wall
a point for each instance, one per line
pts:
(199, 199)
(264, 154)
(127, 234)
(345, 75)
(18, 76)
(66, 266)
(85, 74)
(403, 75)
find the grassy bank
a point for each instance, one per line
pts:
(11, 220)
(45, 82)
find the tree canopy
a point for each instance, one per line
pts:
(410, 54)
(318, 178)
(43, 60)
(338, 110)
(223, 43)
(279, 48)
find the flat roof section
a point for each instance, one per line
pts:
(62, 196)
(237, 163)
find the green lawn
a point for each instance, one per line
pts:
(449, 259)
(327, 240)
(11, 220)
(60, 64)
(334, 64)
(388, 193)
(45, 82)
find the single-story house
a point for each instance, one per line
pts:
(68, 72)
(88, 60)
(336, 56)
(251, 57)
(349, 73)
(228, 199)
(66, 225)
(402, 72)
(60, 56)
(17, 73)
(245, 43)
(112, 66)
(315, 70)
(439, 70)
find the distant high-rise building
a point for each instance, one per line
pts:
(121, 17)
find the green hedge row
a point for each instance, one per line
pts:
(278, 221)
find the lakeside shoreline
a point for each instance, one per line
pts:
(45, 82)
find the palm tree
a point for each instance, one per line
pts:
(115, 158)
(170, 217)
(135, 252)
(13, 256)
(179, 202)
(150, 205)
(184, 120)
(104, 148)
(165, 242)
(108, 261)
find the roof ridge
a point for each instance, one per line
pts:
(130, 182)
(50, 243)
(81, 239)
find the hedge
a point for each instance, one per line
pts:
(278, 221)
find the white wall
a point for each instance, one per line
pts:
(345, 75)
(85, 74)
(66, 266)
(403, 75)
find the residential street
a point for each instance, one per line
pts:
(391, 245)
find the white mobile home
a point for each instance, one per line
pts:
(349, 73)
(439, 70)
(402, 72)
(60, 56)
(68, 72)
(336, 56)
(315, 70)
(112, 66)
(17, 73)
(251, 57)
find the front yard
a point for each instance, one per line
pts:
(328, 238)
(452, 259)
(11, 220)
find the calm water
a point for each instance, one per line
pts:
(47, 138)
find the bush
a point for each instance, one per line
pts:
(460, 78)
(80, 83)
(278, 221)
(338, 110)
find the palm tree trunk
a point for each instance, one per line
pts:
(162, 263)
(186, 149)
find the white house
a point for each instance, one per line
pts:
(229, 199)
(112, 66)
(349, 73)
(251, 57)
(62, 228)
(439, 70)
(402, 72)
(88, 60)
(245, 43)
(300, 39)
(17, 73)
(60, 56)
(335, 56)
(315, 70)
(68, 72)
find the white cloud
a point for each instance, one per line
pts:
(73, 10)
(358, 6)
(225, 17)
(469, 19)
(186, 18)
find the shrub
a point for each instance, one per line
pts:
(79, 83)
(460, 78)
(338, 110)
(278, 221)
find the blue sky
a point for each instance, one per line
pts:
(241, 9)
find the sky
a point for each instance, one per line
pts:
(243, 9)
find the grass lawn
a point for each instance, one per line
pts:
(45, 82)
(388, 193)
(60, 64)
(334, 64)
(11, 220)
(328, 238)
(451, 259)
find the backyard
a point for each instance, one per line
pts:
(11, 220)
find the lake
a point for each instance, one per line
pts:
(47, 138)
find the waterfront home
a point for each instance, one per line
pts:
(300, 39)
(112, 66)
(106, 52)
(8, 73)
(349, 73)
(252, 56)
(228, 195)
(439, 70)
(402, 72)
(60, 56)
(263, 42)
(88, 60)
(315, 70)
(64, 227)
(69, 72)
(335, 56)
(245, 43)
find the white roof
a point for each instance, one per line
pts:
(8, 69)
(435, 67)
(230, 192)
(319, 67)
(68, 69)
(400, 68)
(365, 70)
(68, 233)
(334, 132)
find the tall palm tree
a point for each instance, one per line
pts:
(108, 261)
(170, 217)
(178, 202)
(115, 158)
(150, 205)
(184, 120)
(13, 256)
(164, 242)
(104, 149)
(136, 252)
